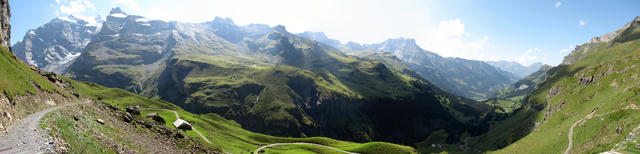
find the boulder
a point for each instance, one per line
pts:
(159, 119)
(134, 110)
(156, 117)
(8, 115)
(179, 135)
(127, 117)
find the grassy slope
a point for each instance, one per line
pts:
(221, 132)
(19, 79)
(608, 96)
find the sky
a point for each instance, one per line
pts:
(522, 31)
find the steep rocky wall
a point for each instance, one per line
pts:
(5, 26)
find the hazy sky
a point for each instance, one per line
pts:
(525, 32)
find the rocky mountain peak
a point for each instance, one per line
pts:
(402, 41)
(53, 46)
(610, 36)
(623, 32)
(280, 28)
(355, 46)
(396, 45)
(320, 37)
(225, 20)
(116, 11)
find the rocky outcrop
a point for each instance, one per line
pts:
(5, 26)
(610, 38)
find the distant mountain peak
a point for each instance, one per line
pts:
(225, 20)
(402, 39)
(280, 28)
(316, 34)
(401, 42)
(320, 37)
(116, 10)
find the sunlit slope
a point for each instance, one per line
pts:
(600, 77)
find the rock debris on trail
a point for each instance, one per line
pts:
(27, 137)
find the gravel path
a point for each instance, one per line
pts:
(27, 137)
(193, 128)
(570, 136)
(257, 151)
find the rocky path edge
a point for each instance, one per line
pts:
(27, 137)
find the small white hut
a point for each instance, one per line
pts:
(181, 124)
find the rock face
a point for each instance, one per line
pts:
(125, 40)
(5, 26)
(55, 45)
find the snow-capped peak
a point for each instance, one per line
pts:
(90, 21)
(94, 21)
(67, 19)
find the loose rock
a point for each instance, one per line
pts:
(6, 114)
(128, 117)
(100, 121)
(134, 110)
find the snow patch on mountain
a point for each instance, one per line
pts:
(118, 15)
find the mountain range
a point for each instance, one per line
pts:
(43, 112)
(468, 78)
(269, 80)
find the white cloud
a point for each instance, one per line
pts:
(452, 27)
(449, 39)
(558, 4)
(129, 4)
(582, 23)
(73, 7)
(529, 57)
(89, 4)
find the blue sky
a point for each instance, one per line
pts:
(522, 31)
